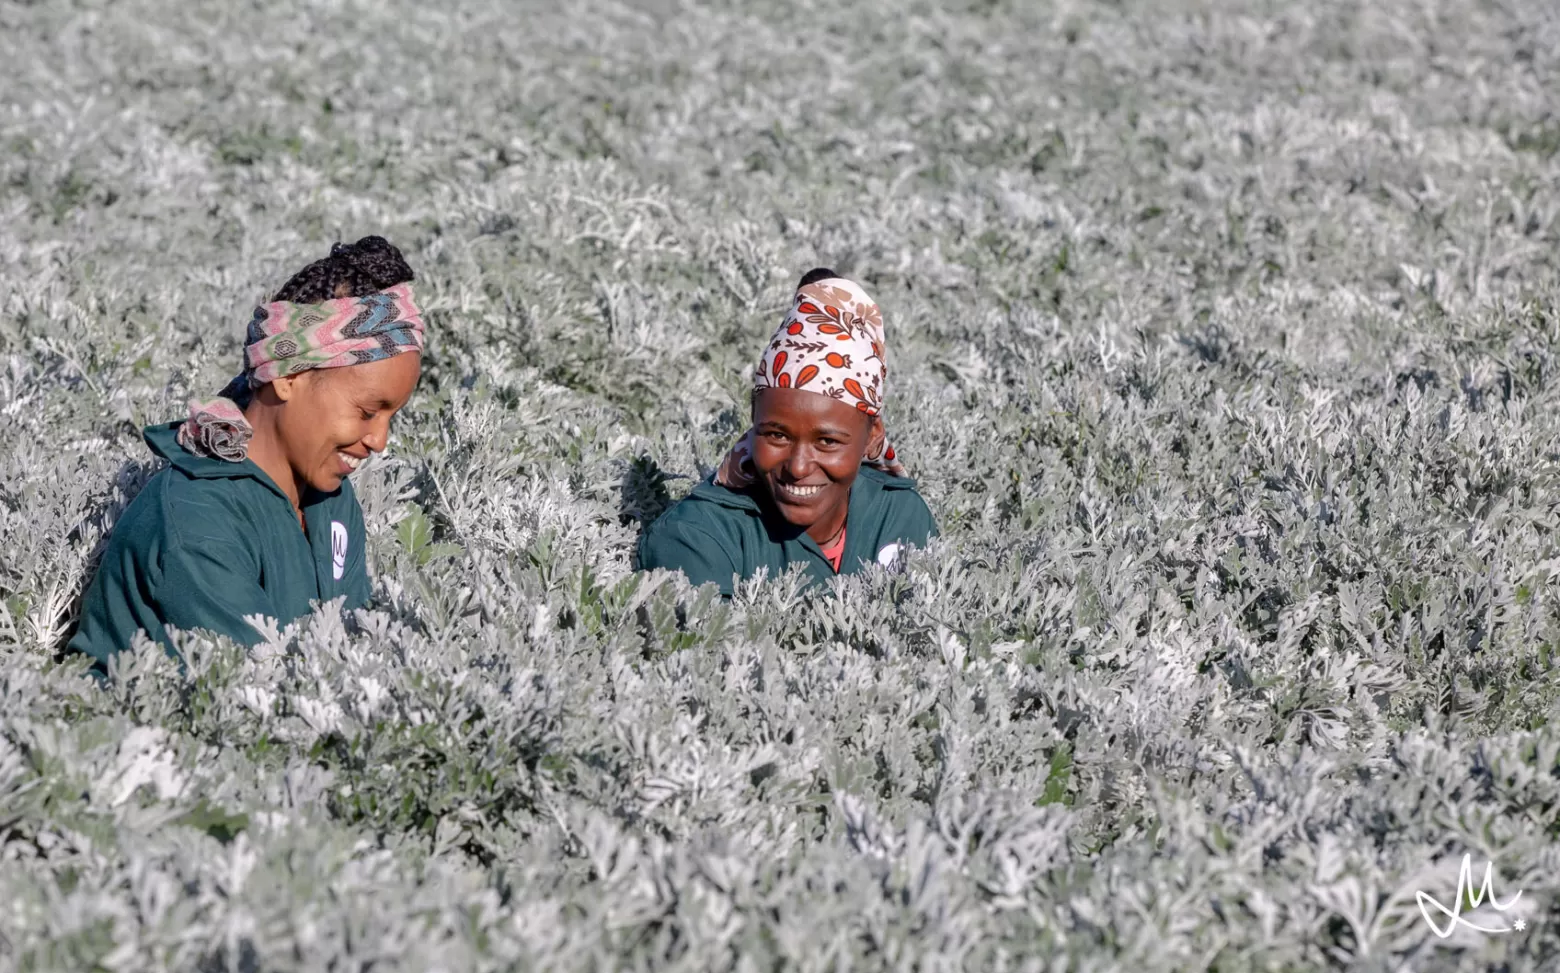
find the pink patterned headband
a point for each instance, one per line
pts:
(285, 339)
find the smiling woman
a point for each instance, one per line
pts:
(254, 514)
(814, 481)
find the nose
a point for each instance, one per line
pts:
(800, 462)
(378, 436)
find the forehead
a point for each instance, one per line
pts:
(799, 410)
(390, 378)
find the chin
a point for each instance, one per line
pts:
(326, 482)
(796, 518)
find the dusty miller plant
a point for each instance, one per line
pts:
(1223, 343)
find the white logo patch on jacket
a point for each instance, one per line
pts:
(888, 555)
(338, 549)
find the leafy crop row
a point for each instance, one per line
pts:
(1223, 342)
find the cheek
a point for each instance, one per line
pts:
(350, 429)
(322, 428)
(767, 455)
(300, 426)
(842, 469)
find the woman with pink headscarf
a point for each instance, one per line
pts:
(814, 481)
(254, 515)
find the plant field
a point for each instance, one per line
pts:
(1223, 341)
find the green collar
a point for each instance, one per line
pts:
(163, 439)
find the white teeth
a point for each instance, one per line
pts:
(351, 461)
(800, 491)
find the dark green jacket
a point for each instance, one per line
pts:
(208, 542)
(714, 533)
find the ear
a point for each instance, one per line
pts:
(286, 387)
(875, 436)
(343, 289)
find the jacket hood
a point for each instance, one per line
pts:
(163, 439)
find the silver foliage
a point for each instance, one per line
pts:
(1223, 340)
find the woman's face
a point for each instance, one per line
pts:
(807, 449)
(336, 417)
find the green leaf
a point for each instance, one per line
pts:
(215, 821)
(415, 534)
(1057, 780)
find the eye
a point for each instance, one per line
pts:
(367, 414)
(826, 441)
(774, 436)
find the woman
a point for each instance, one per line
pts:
(254, 514)
(814, 481)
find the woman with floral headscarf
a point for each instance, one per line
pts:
(254, 515)
(814, 481)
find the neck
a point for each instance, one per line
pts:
(828, 528)
(265, 451)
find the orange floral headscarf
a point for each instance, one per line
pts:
(830, 342)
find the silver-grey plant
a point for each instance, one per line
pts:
(1224, 342)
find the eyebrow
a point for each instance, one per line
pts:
(832, 432)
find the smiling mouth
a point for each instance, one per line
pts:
(797, 492)
(349, 461)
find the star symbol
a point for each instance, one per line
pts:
(1519, 925)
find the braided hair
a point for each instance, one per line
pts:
(815, 275)
(352, 270)
(356, 269)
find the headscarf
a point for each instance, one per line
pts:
(830, 342)
(286, 338)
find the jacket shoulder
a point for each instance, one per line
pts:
(895, 492)
(700, 538)
(192, 509)
(145, 519)
(180, 487)
(701, 511)
(904, 511)
(885, 481)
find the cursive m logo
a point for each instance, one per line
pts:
(338, 549)
(1466, 893)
